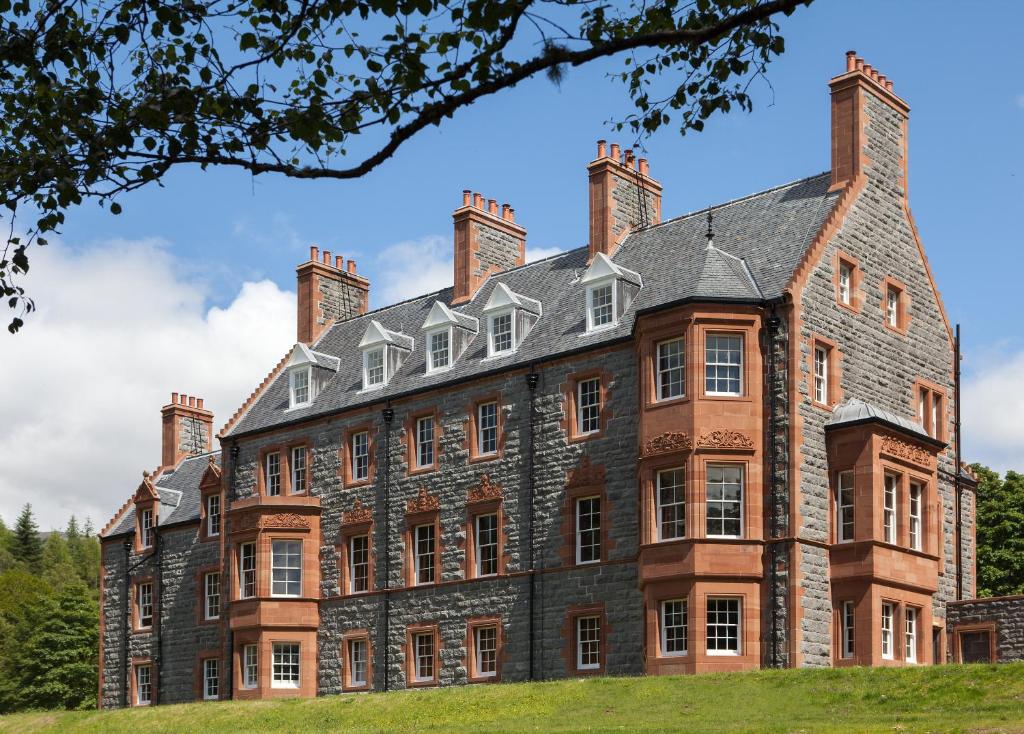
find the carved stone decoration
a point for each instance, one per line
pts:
(725, 440)
(284, 520)
(359, 513)
(422, 502)
(586, 474)
(666, 443)
(906, 451)
(487, 490)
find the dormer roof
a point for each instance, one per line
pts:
(376, 335)
(440, 315)
(725, 276)
(301, 354)
(603, 267)
(503, 297)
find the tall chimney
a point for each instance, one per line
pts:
(486, 241)
(187, 429)
(866, 114)
(623, 197)
(328, 293)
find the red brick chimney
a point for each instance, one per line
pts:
(623, 197)
(486, 241)
(852, 92)
(187, 429)
(328, 292)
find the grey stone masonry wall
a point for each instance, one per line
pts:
(496, 249)
(194, 436)
(632, 206)
(339, 300)
(877, 364)
(177, 596)
(1008, 614)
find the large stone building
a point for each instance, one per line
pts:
(716, 442)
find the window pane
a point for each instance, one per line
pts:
(601, 311)
(298, 469)
(439, 350)
(273, 474)
(143, 685)
(844, 504)
(588, 530)
(211, 678)
(486, 545)
(357, 662)
(250, 667)
(487, 428)
(360, 456)
(145, 605)
(374, 367)
(424, 656)
(673, 627)
(820, 375)
(724, 500)
(501, 333)
(723, 635)
(425, 441)
(300, 386)
(889, 508)
(671, 369)
(848, 629)
(486, 643)
(910, 635)
(286, 665)
(723, 364)
(212, 590)
(588, 398)
(844, 283)
(213, 514)
(247, 569)
(588, 642)
(425, 550)
(286, 565)
(671, 503)
(359, 563)
(887, 610)
(915, 516)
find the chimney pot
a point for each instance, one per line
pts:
(601, 149)
(199, 403)
(314, 253)
(176, 420)
(615, 152)
(505, 208)
(339, 262)
(644, 167)
(492, 207)
(888, 84)
(478, 201)
(851, 60)
(174, 398)
(860, 64)
(867, 69)
(629, 157)
(183, 399)
(327, 257)
(351, 266)
(191, 402)
(511, 214)
(467, 196)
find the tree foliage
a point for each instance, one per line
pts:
(1000, 532)
(101, 97)
(27, 548)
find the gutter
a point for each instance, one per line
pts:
(957, 484)
(388, 414)
(773, 323)
(532, 378)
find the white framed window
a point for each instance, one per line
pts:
(670, 496)
(146, 527)
(143, 685)
(144, 603)
(424, 540)
(487, 428)
(299, 389)
(486, 538)
(892, 307)
(211, 595)
(373, 368)
(849, 625)
(359, 564)
(724, 501)
(272, 469)
(357, 662)
(671, 369)
(439, 351)
(250, 666)
(889, 508)
(723, 364)
(821, 375)
(213, 515)
(360, 456)
(674, 625)
(845, 283)
(936, 413)
(600, 306)
(500, 333)
(844, 507)
(485, 642)
(916, 525)
(247, 570)
(285, 672)
(286, 568)
(423, 643)
(588, 530)
(588, 643)
(588, 406)
(298, 469)
(425, 441)
(887, 619)
(922, 399)
(910, 634)
(723, 633)
(211, 679)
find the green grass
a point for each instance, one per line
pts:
(980, 698)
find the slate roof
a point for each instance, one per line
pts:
(758, 242)
(179, 495)
(855, 411)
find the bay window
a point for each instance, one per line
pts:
(286, 568)
(673, 627)
(670, 493)
(285, 673)
(724, 501)
(247, 570)
(723, 627)
(723, 365)
(671, 369)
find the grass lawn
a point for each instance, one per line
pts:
(947, 698)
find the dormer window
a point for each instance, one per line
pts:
(448, 333)
(146, 529)
(510, 317)
(440, 351)
(299, 386)
(308, 372)
(610, 289)
(384, 351)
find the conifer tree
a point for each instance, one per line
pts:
(27, 547)
(6, 541)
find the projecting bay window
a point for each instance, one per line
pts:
(671, 369)
(889, 508)
(272, 474)
(723, 365)
(670, 496)
(723, 627)
(724, 501)
(588, 643)
(915, 517)
(360, 456)
(487, 428)
(298, 470)
(211, 596)
(588, 530)
(424, 553)
(250, 666)
(359, 564)
(425, 442)
(485, 537)
(247, 570)
(285, 673)
(674, 624)
(910, 634)
(211, 679)
(286, 568)
(213, 515)
(848, 622)
(844, 507)
(887, 630)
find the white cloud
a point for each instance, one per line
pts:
(992, 408)
(412, 268)
(1020, 101)
(119, 327)
(539, 253)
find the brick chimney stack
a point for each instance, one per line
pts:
(854, 93)
(487, 240)
(187, 429)
(623, 197)
(328, 292)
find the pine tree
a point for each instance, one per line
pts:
(27, 548)
(20, 591)
(6, 542)
(87, 560)
(58, 565)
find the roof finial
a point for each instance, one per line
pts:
(710, 234)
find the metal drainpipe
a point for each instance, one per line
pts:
(532, 378)
(157, 618)
(956, 469)
(773, 324)
(388, 414)
(228, 664)
(127, 623)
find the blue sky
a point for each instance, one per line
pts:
(231, 242)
